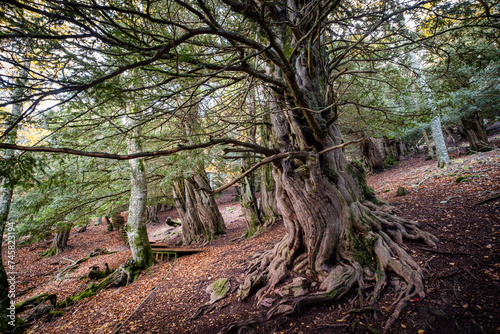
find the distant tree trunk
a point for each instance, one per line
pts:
(249, 205)
(208, 210)
(137, 233)
(392, 148)
(268, 205)
(202, 217)
(430, 150)
(152, 214)
(373, 154)
(476, 133)
(60, 241)
(117, 221)
(441, 150)
(185, 201)
(108, 222)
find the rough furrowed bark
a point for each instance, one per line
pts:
(208, 210)
(336, 239)
(58, 244)
(249, 205)
(268, 205)
(185, 202)
(476, 133)
(372, 150)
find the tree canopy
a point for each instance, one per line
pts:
(179, 76)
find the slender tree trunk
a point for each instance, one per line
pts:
(476, 133)
(6, 192)
(436, 128)
(137, 233)
(441, 149)
(185, 202)
(430, 150)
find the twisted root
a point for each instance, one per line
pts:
(387, 232)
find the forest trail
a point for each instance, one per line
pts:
(461, 272)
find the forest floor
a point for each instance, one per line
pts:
(461, 273)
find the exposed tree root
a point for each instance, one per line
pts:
(125, 274)
(365, 259)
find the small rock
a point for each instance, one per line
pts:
(218, 289)
(401, 191)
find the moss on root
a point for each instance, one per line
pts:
(362, 249)
(49, 252)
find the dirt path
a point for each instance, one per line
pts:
(462, 272)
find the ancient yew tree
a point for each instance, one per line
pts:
(303, 54)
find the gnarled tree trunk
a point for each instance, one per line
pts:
(268, 204)
(392, 149)
(185, 202)
(152, 214)
(332, 232)
(476, 133)
(208, 210)
(373, 154)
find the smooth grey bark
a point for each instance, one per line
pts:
(137, 234)
(436, 128)
(441, 150)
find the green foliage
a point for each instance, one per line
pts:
(20, 170)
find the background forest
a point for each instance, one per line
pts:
(140, 106)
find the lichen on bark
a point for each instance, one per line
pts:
(137, 234)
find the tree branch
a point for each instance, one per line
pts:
(254, 147)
